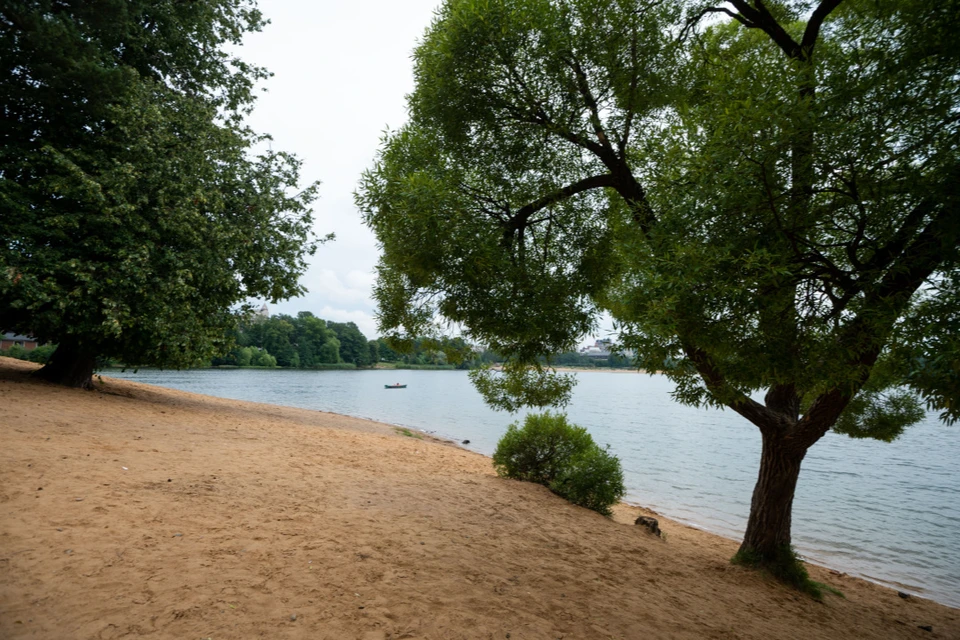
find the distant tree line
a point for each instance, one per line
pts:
(301, 342)
(309, 342)
(445, 353)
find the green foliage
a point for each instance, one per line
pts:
(786, 567)
(303, 342)
(576, 359)
(592, 479)
(541, 449)
(134, 214)
(572, 359)
(354, 347)
(15, 351)
(517, 385)
(427, 352)
(881, 416)
(550, 451)
(261, 358)
(276, 341)
(244, 357)
(425, 367)
(40, 354)
(929, 351)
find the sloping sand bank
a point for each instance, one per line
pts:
(134, 511)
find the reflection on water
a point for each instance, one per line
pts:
(890, 512)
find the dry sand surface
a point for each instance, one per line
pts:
(134, 511)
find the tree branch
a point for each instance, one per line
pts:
(736, 16)
(634, 80)
(764, 419)
(812, 32)
(760, 18)
(593, 182)
(519, 221)
(865, 335)
(886, 254)
(583, 87)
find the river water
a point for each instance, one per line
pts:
(886, 512)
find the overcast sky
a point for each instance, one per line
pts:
(341, 74)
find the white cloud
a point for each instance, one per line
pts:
(353, 287)
(364, 321)
(341, 74)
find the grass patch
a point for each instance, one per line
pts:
(406, 432)
(787, 568)
(825, 587)
(330, 366)
(426, 367)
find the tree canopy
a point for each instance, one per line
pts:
(135, 216)
(763, 195)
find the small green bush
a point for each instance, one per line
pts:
(41, 354)
(541, 449)
(16, 351)
(592, 479)
(550, 451)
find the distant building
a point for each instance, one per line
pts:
(11, 339)
(604, 348)
(599, 349)
(259, 315)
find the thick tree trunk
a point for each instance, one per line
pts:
(70, 365)
(767, 540)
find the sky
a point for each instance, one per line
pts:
(342, 71)
(341, 74)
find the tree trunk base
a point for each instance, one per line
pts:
(766, 543)
(784, 565)
(69, 366)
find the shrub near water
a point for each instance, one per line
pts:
(592, 479)
(541, 449)
(550, 451)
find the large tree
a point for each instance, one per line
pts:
(764, 196)
(354, 346)
(134, 215)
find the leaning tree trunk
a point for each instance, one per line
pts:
(767, 540)
(71, 365)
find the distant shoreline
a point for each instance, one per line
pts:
(377, 367)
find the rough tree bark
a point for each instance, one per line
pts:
(71, 365)
(767, 539)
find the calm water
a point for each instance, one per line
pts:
(887, 512)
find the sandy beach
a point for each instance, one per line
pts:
(134, 511)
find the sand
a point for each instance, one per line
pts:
(133, 511)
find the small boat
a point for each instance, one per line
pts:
(395, 386)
